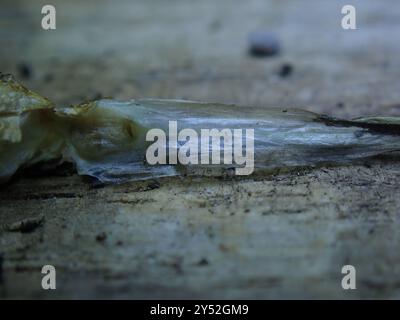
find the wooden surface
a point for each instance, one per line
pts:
(285, 235)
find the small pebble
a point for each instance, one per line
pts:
(155, 184)
(101, 237)
(263, 44)
(203, 262)
(25, 225)
(340, 105)
(285, 70)
(24, 70)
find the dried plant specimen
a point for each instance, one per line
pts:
(106, 139)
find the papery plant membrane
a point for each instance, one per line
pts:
(106, 139)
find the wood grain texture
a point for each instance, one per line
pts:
(285, 235)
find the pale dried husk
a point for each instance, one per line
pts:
(105, 139)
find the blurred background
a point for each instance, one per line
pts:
(199, 50)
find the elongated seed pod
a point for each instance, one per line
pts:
(282, 138)
(116, 141)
